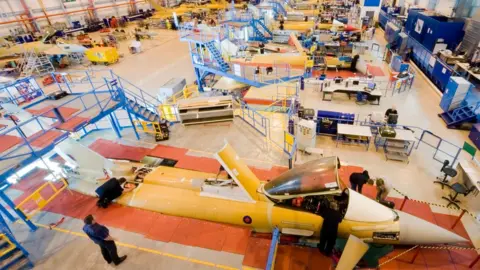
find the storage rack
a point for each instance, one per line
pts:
(396, 148)
(203, 110)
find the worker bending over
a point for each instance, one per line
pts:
(357, 180)
(111, 190)
(383, 188)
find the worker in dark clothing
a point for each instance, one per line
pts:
(262, 48)
(100, 235)
(353, 65)
(391, 120)
(392, 110)
(328, 234)
(111, 190)
(357, 180)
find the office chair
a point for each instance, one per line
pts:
(448, 171)
(458, 189)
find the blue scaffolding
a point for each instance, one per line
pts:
(97, 94)
(205, 52)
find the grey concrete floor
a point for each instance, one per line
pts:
(69, 248)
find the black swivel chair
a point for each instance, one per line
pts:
(448, 171)
(458, 189)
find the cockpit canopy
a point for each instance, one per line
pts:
(316, 177)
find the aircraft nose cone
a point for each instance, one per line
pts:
(414, 230)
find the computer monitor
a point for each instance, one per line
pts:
(371, 85)
(338, 80)
(392, 119)
(356, 82)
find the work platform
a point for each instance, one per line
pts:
(205, 49)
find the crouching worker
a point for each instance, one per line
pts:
(111, 190)
(382, 191)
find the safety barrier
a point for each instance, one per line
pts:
(273, 249)
(444, 247)
(37, 198)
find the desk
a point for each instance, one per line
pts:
(353, 133)
(341, 88)
(468, 173)
(465, 66)
(398, 148)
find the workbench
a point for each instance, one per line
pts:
(396, 148)
(354, 134)
(466, 66)
(468, 173)
(350, 90)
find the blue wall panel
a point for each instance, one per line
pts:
(371, 3)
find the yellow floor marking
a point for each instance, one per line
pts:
(139, 248)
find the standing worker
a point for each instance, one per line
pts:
(328, 234)
(357, 180)
(392, 110)
(111, 190)
(100, 235)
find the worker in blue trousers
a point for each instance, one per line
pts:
(100, 235)
(302, 83)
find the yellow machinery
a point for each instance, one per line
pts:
(102, 55)
(169, 110)
(160, 130)
(38, 201)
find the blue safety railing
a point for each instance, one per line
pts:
(259, 122)
(272, 253)
(109, 92)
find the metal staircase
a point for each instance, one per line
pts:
(456, 117)
(258, 35)
(12, 254)
(278, 8)
(217, 56)
(265, 28)
(35, 63)
(136, 104)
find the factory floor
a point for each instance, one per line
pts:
(165, 57)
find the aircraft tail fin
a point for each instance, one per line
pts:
(238, 170)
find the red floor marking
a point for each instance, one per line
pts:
(165, 151)
(257, 253)
(31, 181)
(375, 70)
(200, 233)
(446, 221)
(164, 228)
(463, 258)
(202, 164)
(45, 139)
(72, 124)
(115, 150)
(317, 259)
(332, 74)
(236, 240)
(257, 101)
(8, 141)
(47, 111)
(440, 259)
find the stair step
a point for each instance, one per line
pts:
(21, 265)
(8, 259)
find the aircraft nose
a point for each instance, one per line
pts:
(414, 230)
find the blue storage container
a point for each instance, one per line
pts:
(327, 121)
(429, 29)
(455, 94)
